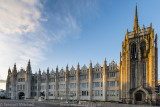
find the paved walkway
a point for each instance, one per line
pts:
(57, 103)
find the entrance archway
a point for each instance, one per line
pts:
(138, 96)
(21, 95)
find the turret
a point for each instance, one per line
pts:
(135, 27)
(56, 80)
(9, 71)
(28, 77)
(57, 69)
(66, 72)
(48, 71)
(14, 70)
(13, 82)
(39, 71)
(90, 64)
(28, 69)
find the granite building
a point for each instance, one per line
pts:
(139, 65)
(93, 83)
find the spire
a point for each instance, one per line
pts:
(105, 60)
(48, 70)
(9, 70)
(90, 64)
(28, 69)
(104, 63)
(57, 69)
(135, 27)
(78, 66)
(67, 67)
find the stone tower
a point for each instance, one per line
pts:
(8, 82)
(139, 65)
(28, 76)
(13, 82)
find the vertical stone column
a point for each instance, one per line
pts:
(56, 86)
(104, 80)
(66, 81)
(13, 82)
(7, 83)
(28, 77)
(77, 82)
(47, 84)
(120, 78)
(39, 83)
(90, 81)
(156, 61)
(139, 65)
(128, 72)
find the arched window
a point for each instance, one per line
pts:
(143, 49)
(133, 51)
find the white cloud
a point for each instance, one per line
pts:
(65, 26)
(19, 16)
(19, 40)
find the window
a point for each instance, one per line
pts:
(117, 92)
(50, 86)
(112, 74)
(107, 92)
(61, 86)
(107, 83)
(83, 85)
(117, 83)
(117, 74)
(73, 93)
(101, 75)
(112, 83)
(51, 80)
(43, 80)
(143, 49)
(107, 75)
(97, 84)
(83, 77)
(133, 51)
(101, 92)
(71, 78)
(21, 79)
(112, 92)
(98, 76)
(61, 79)
(42, 87)
(96, 92)
(101, 84)
(93, 76)
(87, 85)
(84, 93)
(50, 93)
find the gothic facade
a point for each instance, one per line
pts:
(139, 65)
(138, 72)
(93, 83)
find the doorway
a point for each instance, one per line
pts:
(21, 95)
(138, 97)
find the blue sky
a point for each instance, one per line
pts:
(61, 32)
